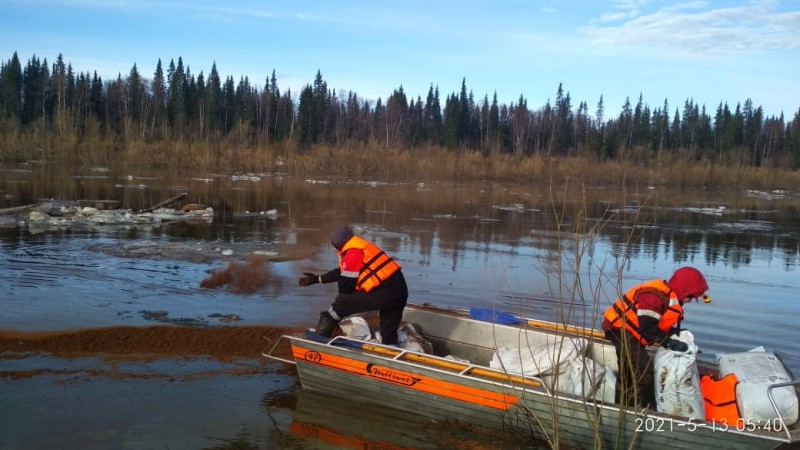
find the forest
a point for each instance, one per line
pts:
(52, 112)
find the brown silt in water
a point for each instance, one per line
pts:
(241, 278)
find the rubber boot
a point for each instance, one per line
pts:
(326, 324)
(647, 396)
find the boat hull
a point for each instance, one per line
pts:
(441, 390)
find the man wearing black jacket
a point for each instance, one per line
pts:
(368, 279)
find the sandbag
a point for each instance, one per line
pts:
(536, 359)
(756, 370)
(585, 378)
(409, 338)
(355, 327)
(677, 380)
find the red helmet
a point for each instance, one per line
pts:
(688, 282)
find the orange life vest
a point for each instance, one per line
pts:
(378, 265)
(624, 310)
(719, 397)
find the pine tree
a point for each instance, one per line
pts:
(396, 118)
(464, 114)
(59, 88)
(135, 100)
(452, 122)
(11, 88)
(176, 99)
(159, 94)
(214, 103)
(493, 125)
(97, 99)
(34, 85)
(432, 117)
(305, 117)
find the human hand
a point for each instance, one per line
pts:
(677, 346)
(308, 279)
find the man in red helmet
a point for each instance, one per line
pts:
(368, 279)
(648, 314)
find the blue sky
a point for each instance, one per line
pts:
(710, 52)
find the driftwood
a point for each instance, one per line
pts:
(178, 197)
(17, 209)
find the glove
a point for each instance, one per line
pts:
(677, 346)
(308, 279)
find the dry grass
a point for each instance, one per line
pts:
(236, 153)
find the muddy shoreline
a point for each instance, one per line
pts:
(225, 344)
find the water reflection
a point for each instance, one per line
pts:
(718, 227)
(461, 244)
(323, 421)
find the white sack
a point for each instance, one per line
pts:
(607, 391)
(677, 381)
(408, 338)
(585, 378)
(355, 327)
(757, 370)
(536, 359)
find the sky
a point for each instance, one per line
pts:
(710, 52)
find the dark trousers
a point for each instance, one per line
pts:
(389, 299)
(635, 386)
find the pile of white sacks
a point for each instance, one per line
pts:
(678, 389)
(562, 365)
(407, 336)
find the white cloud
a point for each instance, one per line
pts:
(693, 29)
(616, 16)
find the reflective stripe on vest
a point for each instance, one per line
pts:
(625, 310)
(719, 397)
(378, 266)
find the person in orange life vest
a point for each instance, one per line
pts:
(648, 314)
(368, 279)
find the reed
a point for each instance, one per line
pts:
(238, 152)
(580, 282)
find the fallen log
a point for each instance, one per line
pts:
(169, 201)
(17, 209)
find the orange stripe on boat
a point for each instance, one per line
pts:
(409, 380)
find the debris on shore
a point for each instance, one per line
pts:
(55, 215)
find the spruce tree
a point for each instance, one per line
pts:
(11, 88)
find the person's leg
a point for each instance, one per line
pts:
(624, 392)
(391, 314)
(388, 303)
(353, 303)
(643, 371)
(635, 384)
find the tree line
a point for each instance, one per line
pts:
(177, 105)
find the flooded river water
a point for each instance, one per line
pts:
(513, 246)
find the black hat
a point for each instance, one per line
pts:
(341, 235)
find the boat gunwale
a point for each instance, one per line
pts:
(502, 380)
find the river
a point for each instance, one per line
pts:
(535, 249)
